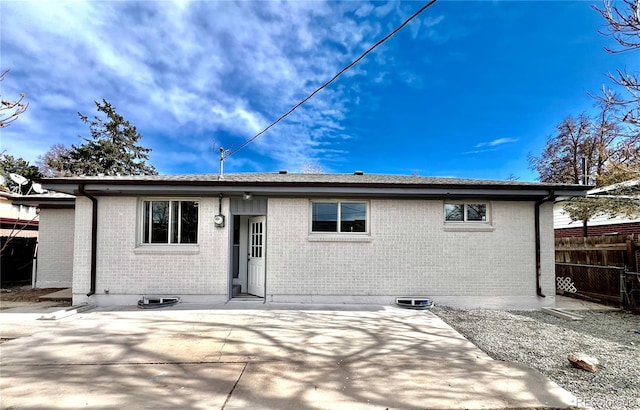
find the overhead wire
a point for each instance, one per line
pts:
(335, 77)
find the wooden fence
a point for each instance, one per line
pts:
(595, 264)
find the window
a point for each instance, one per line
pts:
(465, 212)
(169, 222)
(339, 217)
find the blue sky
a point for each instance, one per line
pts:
(468, 89)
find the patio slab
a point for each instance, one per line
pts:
(269, 357)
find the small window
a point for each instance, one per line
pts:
(339, 217)
(170, 222)
(465, 212)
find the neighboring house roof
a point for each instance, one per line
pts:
(16, 223)
(38, 200)
(630, 186)
(6, 195)
(561, 219)
(47, 200)
(17, 233)
(287, 184)
(630, 189)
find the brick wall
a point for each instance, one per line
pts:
(81, 250)
(409, 252)
(55, 248)
(618, 229)
(128, 271)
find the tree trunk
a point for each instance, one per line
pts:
(585, 230)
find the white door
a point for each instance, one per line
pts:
(257, 248)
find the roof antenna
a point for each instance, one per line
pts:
(222, 152)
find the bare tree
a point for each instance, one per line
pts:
(623, 24)
(561, 158)
(608, 141)
(612, 152)
(611, 155)
(10, 110)
(49, 163)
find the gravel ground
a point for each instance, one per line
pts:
(543, 342)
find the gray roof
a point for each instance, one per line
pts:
(265, 177)
(304, 184)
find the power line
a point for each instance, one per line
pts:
(354, 62)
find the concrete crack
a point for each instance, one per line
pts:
(223, 345)
(234, 386)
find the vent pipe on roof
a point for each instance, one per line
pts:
(358, 173)
(283, 172)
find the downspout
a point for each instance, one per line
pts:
(94, 238)
(537, 229)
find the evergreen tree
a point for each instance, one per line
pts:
(112, 149)
(9, 164)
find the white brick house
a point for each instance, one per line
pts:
(54, 261)
(313, 238)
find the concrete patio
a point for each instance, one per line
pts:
(258, 356)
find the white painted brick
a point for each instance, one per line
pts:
(82, 249)
(410, 253)
(125, 268)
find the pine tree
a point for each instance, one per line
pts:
(112, 149)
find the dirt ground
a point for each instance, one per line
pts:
(26, 294)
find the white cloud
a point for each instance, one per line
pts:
(181, 70)
(364, 10)
(498, 141)
(382, 11)
(480, 151)
(432, 21)
(239, 119)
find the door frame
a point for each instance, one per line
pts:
(243, 242)
(260, 248)
(246, 208)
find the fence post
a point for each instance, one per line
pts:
(623, 286)
(631, 255)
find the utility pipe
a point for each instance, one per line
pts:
(537, 229)
(94, 238)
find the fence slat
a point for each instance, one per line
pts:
(603, 256)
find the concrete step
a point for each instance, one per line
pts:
(59, 314)
(562, 314)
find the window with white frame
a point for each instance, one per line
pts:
(339, 217)
(169, 222)
(465, 212)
